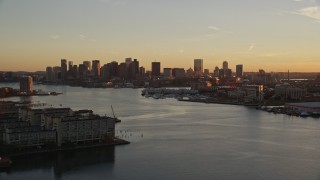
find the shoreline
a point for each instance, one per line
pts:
(115, 142)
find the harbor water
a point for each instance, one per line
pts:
(171, 139)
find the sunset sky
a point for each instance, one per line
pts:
(274, 35)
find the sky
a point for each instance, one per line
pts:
(274, 35)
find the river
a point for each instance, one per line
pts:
(178, 140)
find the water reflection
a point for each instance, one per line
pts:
(67, 162)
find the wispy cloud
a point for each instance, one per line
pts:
(252, 46)
(82, 37)
(215, 28)
(311, 12)
(55, 37)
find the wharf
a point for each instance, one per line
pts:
(115, 142)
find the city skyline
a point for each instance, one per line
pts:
(270, 35)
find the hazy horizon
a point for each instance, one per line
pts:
(274, 35)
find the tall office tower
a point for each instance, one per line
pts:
(133, 70)
(26, 84)
(74, 72)
(142, 71)
(225, 65)
(167, 72)
(239, 70)
(155, 67)
(49, 74)
(56, 73)
(70, 63)
(87, 65)
(198, 66)
(114, 69)
(81, 71)
(128, 61)
(96, 69)
(122, 70)
(216, 71)
(64, 69)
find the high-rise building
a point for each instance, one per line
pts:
(96, 69)
(178, 73)
(225, 65)
(155, 67)
(239, 70)
(87, 65)
(122, 70)
(133, 69)
(142, 71)
(198, 66)
(64, 69)
(216, 71)
(70, 63)
(49, 74)
(128, 61)
(26, 84)
(167, 72)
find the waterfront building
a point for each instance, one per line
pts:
(155, 66)
(287, 92)
(198, 66)
(239, 71)
(34, 115)
(82, 128)
(29, 136)
(64, 69)
(304, 106)
(254, 93)
(26, 84)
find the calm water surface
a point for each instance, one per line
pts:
(179, 140)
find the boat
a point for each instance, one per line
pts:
(5, 162)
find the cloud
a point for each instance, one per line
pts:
(214, 28)
(251, 47)
(181, 51)
(55, 37)
(82, 37)
(311, 12)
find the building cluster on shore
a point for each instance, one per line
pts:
(23, 127)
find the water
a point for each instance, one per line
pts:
(179, 140)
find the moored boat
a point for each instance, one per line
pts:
(5, 162)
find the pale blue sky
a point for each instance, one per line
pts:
(275, 35)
